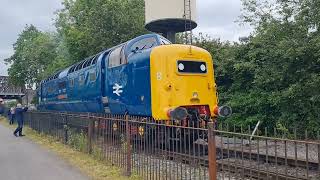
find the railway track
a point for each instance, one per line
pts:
(255, 173)
(244, 168)
(293, 162)
(244, 163)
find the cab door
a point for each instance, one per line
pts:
(117, 81)
(139, 60)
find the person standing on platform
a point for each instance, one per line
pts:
(9, 116)
(12, 115)
(1, 107)
(19, 117)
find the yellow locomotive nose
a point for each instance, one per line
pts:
(181, 77)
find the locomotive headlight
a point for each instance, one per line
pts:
(203, 67)
(178, 113)
(223, 111)
(181, 67)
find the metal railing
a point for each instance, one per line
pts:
(156, 150)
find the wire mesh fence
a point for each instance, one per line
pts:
(161, 150)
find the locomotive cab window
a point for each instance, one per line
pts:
(195, 67)
(145, 43)
(117, 57)
(164, 41)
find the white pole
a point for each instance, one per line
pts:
(254, 131)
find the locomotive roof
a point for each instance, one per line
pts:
(64, 73)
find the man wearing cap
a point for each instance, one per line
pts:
(19, 117)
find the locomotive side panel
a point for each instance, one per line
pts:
(140, 98)
(84, 89)
(117, 82)
(77, 91)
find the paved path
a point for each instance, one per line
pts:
(21, 159)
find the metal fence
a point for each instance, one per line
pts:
(157, 150)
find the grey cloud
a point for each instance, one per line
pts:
(3, 69)
(15, 14)
(225, 33)
(4, 53)
(217, 12)
(217, 18)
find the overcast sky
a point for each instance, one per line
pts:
(215, 17)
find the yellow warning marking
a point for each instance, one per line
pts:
(141, 130)
(115, 127)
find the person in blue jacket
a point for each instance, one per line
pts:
(19, 118)
(1, 107)
(11, 115)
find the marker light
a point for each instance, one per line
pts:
(223, 111)
(181, 67)
(216, 110)
(203, 67)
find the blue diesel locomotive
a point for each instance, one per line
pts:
(146, 76)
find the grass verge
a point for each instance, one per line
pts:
(95, 169)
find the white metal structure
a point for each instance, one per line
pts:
(171, 16)
(8, 91)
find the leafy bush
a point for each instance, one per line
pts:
(77, 140)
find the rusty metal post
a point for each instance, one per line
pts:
(212, 152)
(90, 132)
(128, 171)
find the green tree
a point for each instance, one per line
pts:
(275, 75)
(84, 28)
(62, 58)
(33, 51)
(91, 26)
